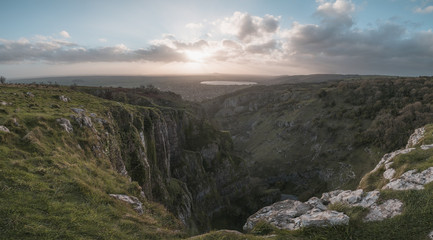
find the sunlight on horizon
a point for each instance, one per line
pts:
(197, 56)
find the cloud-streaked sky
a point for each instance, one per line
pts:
(273, 37)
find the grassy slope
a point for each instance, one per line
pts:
(52, 188)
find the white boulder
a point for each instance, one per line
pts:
(4, 129)
(416, 137)
(411, 180)
(66, 124)
(388, 209)
(136, 204)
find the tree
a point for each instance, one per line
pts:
(2, 79)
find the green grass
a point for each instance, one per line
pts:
(52, 188)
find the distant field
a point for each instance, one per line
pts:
(188, 86)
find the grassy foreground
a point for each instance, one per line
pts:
(53, 187)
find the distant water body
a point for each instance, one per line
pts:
(218, 83)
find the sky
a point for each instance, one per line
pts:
(166, 37)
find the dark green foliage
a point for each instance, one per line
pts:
(292, 135)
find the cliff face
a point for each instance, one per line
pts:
(180, 160)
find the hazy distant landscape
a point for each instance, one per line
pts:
(188, 86)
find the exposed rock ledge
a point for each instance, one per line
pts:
(410, 180)
(4, 129)
(136, 204)
(292, 215)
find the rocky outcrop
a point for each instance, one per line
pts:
(430, 235)
(352, 198)
(81, 118)
(136, 204)
(64, 98)
(316, 218)
(411, 180)
(388, 209)
(416, 137)
(4, 129)
(292, 215)
(65, 124)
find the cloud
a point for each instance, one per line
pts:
(65, 34)
(198, 45)
(334, 44)
(425, 10)
(57, 51)
(262, 48)
(102, 40)
(247, 28)
(231, 44)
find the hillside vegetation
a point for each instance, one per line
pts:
(305, 139)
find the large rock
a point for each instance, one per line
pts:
(317, 218)
(66, 124)
(282, 215)
(388, 209)
(4, 129)
(352, 198)
(136, 204)
(416, 137)
(426, 147)
(64, 98)
(411, 180)
(292, 215)
(389, 173)
(78, 110)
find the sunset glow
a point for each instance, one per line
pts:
(278, 37)
(196, 56)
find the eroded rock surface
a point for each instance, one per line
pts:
(136, 204)
(416, 137)
(64, 98)
(292, 215)
(388, 209)
(411, 180)
(4, 129)
(66, 124)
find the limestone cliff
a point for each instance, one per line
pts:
(178, 159)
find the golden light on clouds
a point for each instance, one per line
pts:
(197, 56)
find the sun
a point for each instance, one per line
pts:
(196, 56)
